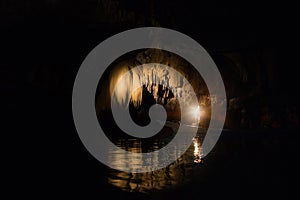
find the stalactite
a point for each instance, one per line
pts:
(152, 80)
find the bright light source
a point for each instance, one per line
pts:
(196, 114)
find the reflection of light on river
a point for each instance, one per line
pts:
(197, 152)
(175, 174)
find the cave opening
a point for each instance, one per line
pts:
(159, 85)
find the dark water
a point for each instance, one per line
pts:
(54, 162)
(255, 163)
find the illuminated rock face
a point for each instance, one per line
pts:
(152, 80)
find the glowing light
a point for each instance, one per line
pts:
(196, 114)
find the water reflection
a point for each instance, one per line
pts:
(175, 174)
(197, 152)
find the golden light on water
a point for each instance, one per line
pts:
(173, 175)
(197, 152)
